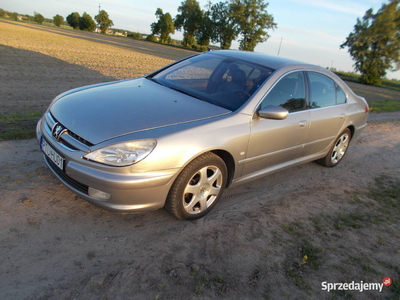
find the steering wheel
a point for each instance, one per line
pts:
(242, 92)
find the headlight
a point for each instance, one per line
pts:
(123, 154)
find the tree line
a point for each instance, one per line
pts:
(75, 20)
(85, 22)
(223, 22)
(374, 44)
(38, 18)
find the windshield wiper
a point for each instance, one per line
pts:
(173, 88)
(185, 92)
(152, 79)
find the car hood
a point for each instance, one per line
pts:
(101, 112)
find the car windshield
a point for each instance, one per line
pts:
(214, 78)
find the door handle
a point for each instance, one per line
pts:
(303, 123)
(342, 116)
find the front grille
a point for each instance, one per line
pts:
(77, 137)
(51, 120)
(69, 181)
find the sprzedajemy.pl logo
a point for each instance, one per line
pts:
(356, 286)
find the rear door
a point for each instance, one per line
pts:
(327, 112)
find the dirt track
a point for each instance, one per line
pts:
(251, 246)
(56, 246)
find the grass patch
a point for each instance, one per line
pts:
(310, 255)
(387, 190)
(307, 261)
(385, 83)
(370, 269)
(353, 220)
(356, 220)
(374, 210)
(396, 288)
(294, 229)
(385, 106)
(18, 125)
(203, 282)
(348, 76)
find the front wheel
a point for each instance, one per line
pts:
(198, 187)
(338, 150)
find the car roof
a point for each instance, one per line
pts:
(270, 61)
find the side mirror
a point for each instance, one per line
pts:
(273, 112)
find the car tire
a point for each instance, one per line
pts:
(338, 150)
(198, 187)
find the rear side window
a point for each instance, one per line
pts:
(324, 91)
(340, 95)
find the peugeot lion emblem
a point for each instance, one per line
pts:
(58, 130)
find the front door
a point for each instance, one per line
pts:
(277, 142)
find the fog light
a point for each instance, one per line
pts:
(98, 194)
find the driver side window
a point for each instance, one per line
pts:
(289, 92)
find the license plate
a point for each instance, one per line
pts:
(56, 158)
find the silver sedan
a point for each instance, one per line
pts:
(178, 137)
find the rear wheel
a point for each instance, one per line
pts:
(338, 150)
(198, 187)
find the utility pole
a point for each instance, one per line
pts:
(279, 51)
(99, 8)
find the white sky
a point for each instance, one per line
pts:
(310, 30)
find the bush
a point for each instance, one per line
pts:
(152, 38)
(199, 48)
(135, 35)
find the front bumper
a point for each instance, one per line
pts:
(128, 191)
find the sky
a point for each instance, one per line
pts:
(307, 30)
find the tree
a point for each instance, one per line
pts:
(374, 43)
(224, 29)
(189, 19)
(58, 20)
(29, 18)
(252, 19)
(14, 15)
(86, 22)
(38, 18)
(103, 21)
(73, 20)
(164, 26)
(205, 29)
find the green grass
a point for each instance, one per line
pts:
(310, 240)
(387, 193)
(385, 106)
(352, 77)
(310, 255)
(53, 25)
(18, 125)
(347, 76)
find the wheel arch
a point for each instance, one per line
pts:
(229, 162)
(352, 130)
